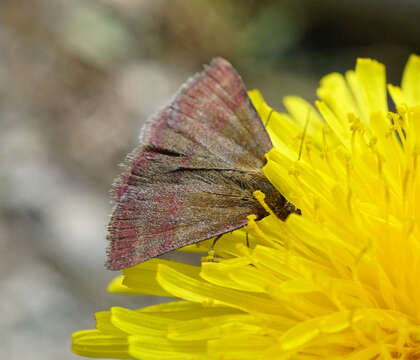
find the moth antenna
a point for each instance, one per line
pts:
(308, 116)
(268, 117)
(247, 239)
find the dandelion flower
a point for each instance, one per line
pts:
(338, 282)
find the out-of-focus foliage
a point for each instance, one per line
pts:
(78, 78)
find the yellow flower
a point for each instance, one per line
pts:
(339, 282)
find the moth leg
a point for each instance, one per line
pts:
(247, 239)
(210, 256)
(214, 242)
(268, 118)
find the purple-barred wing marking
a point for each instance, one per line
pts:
(194, 172)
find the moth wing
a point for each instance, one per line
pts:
(187, 180)
(213, 112)
(166, 209)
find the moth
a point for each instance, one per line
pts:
(193, 174)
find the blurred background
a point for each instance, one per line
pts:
(77, 80)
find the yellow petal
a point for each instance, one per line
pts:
(335, 92)
(105, 326)
(192, 289)
(206, 328)
(117, 286)
(411, 80)
(138, 323)
(158, 348)
(141, 279)
(93, 343)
